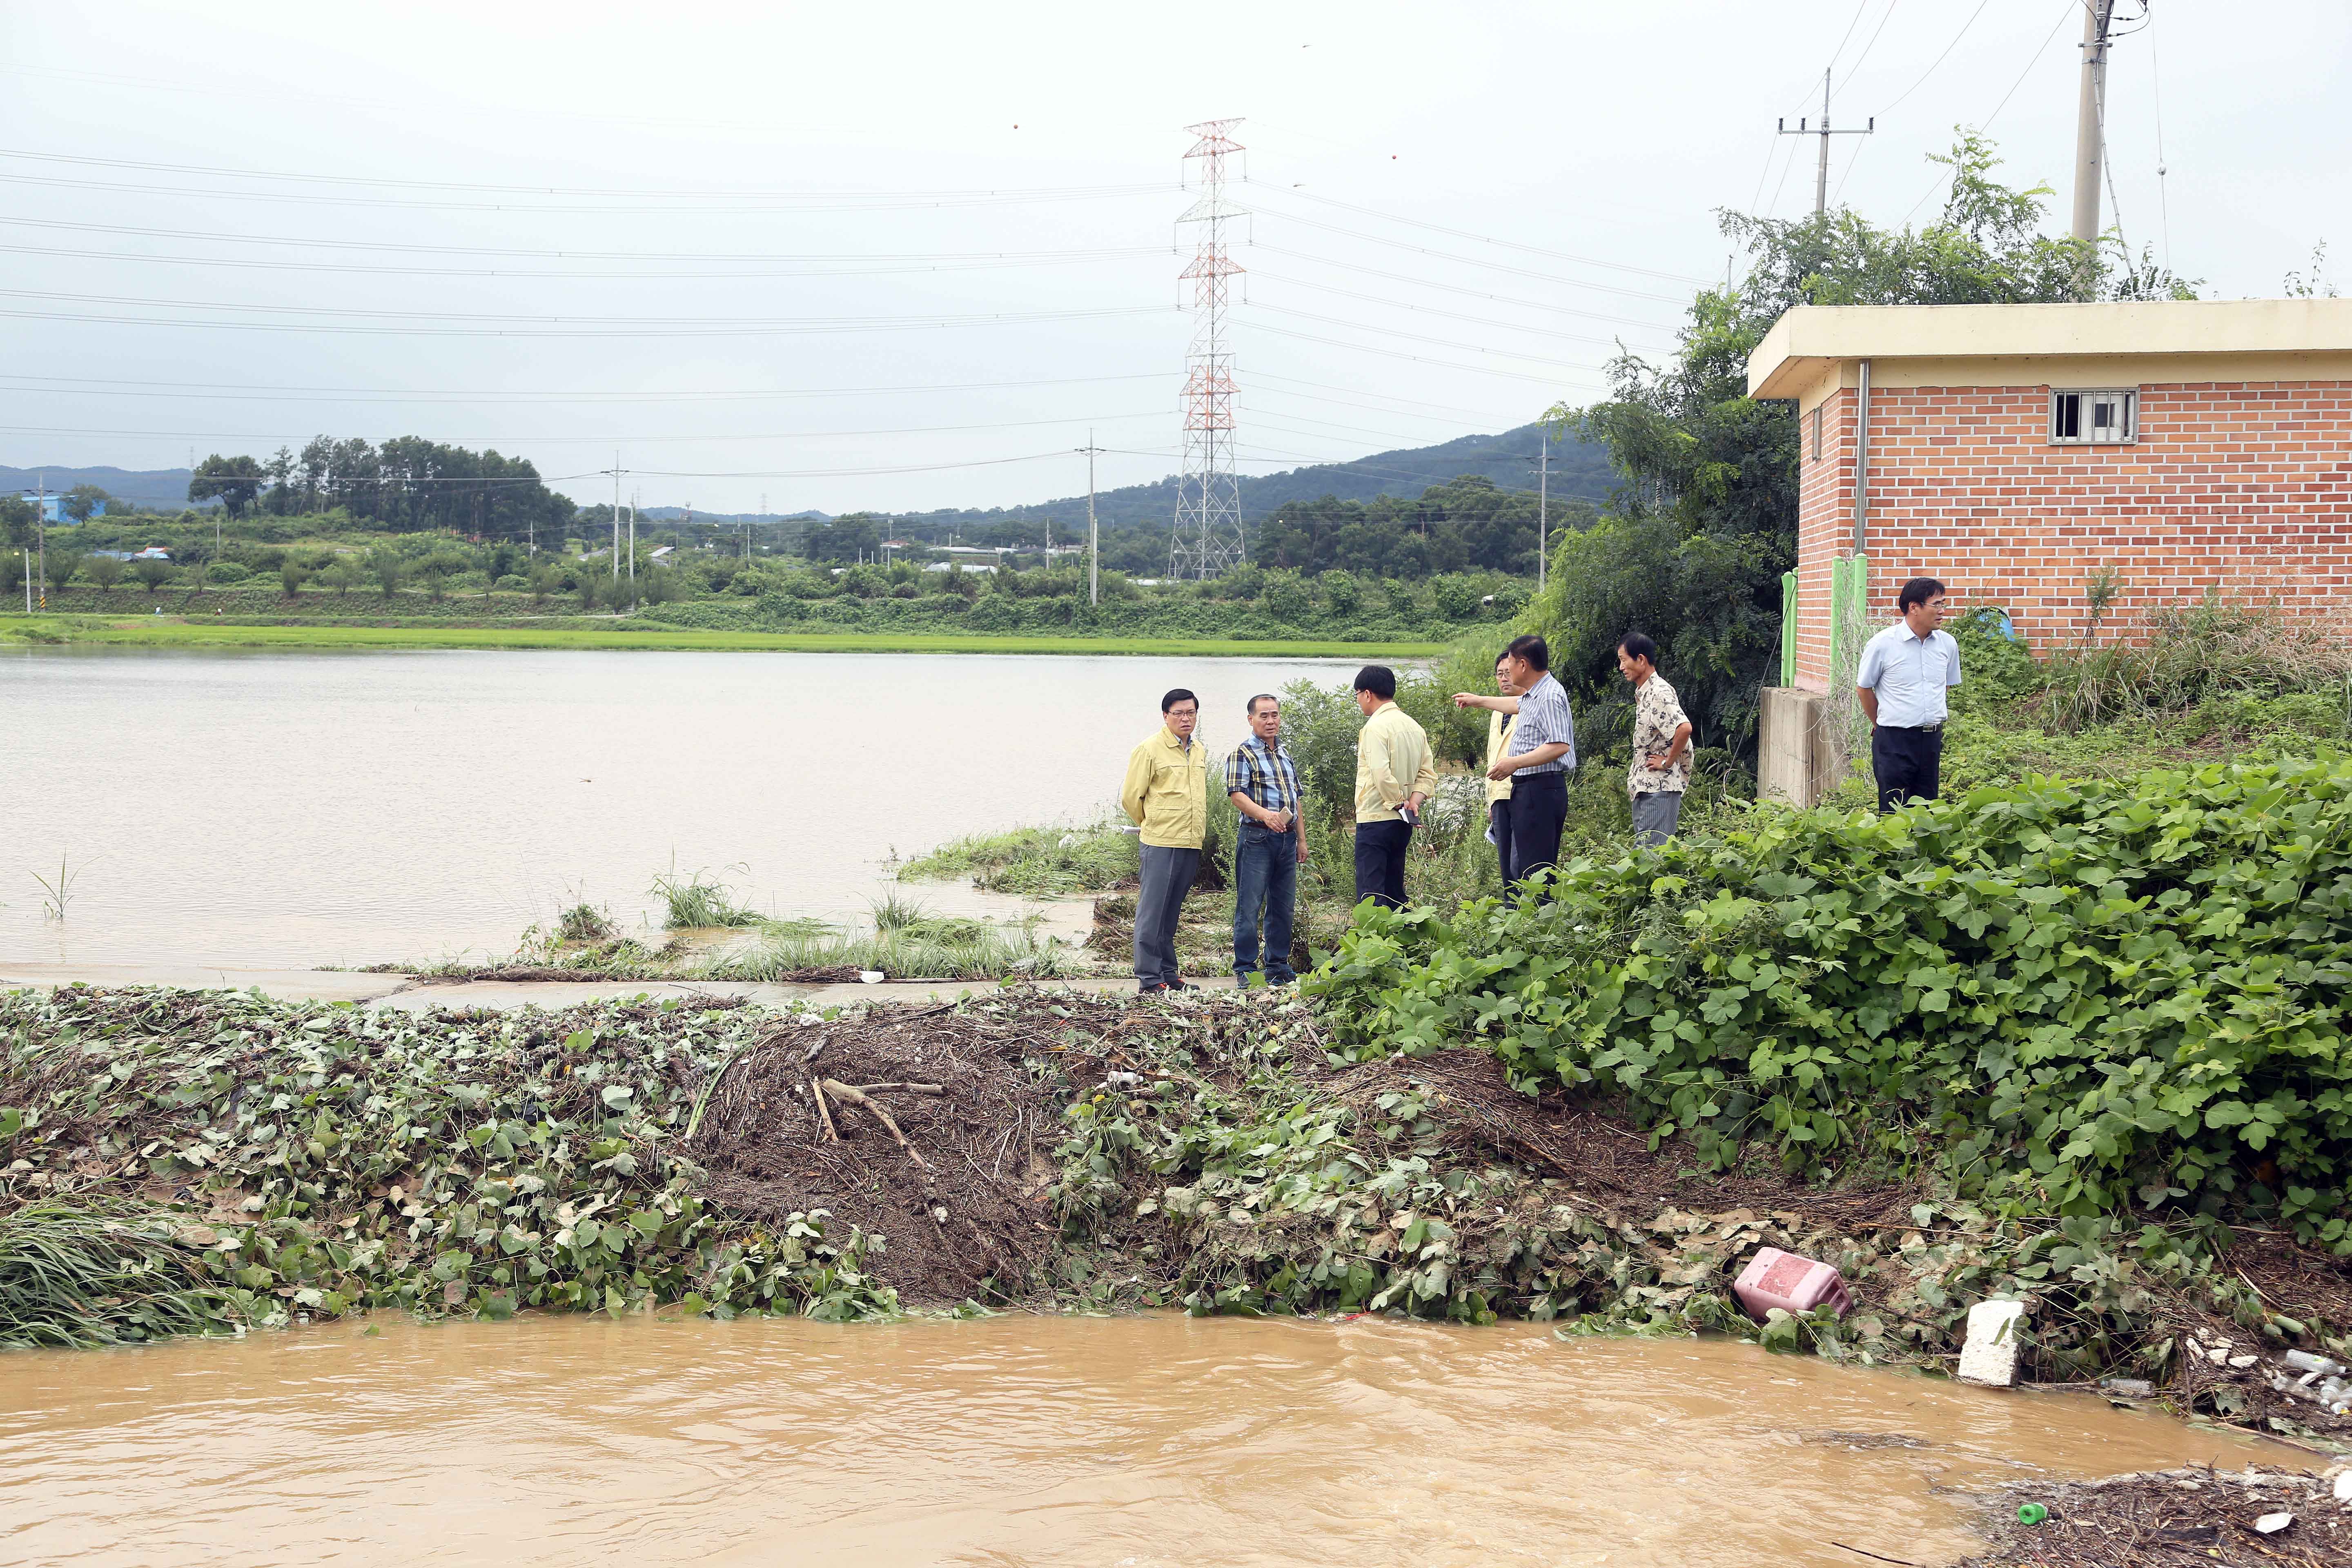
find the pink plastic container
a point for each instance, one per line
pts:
(1776, 1278)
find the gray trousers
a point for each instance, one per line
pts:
(1167, 876)
(1654, 815)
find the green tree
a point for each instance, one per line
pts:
(105, 570)
(389, 568)
(342, 575)
(291, 576)
(543, 581)
(83, 502)
(18, 519)
(1705, 515)
(152, 572)
(61, 566)
(232, 481)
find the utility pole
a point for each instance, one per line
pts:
(1543, 511)
(1093, 534)
(41, 536)
(2091, 119)
(1822, 169)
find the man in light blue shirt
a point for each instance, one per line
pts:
(1903, 674)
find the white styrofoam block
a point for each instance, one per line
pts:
(1989, 1354)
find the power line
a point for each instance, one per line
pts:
(2072, 7)
(1419, 337)
(1452, 287)
(2156, 83)
(394, 203)
(540, 326)
(1399, 354)
(516, 438)
(1474, 261)
(569, 253)
(1940, 60)
(1434, 310)
(374, 394)
(347, 266)
(1889, 16)
(667, 192)
(1292, 193)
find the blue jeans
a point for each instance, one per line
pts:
(1266, 876)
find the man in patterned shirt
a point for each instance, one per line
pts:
(1662, 732)
(1261, 781)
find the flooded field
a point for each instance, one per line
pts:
(1142, 1442)
(266, 808)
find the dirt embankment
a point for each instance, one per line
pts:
(1208, 1151)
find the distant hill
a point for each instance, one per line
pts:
(1578, 469)
(150, 489)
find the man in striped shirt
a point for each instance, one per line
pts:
(1536, 760)
(1261, 781)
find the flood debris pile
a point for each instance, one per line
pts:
(2255, 1518)
(259, 1161)
(262, 1163)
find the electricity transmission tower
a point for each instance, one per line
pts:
(1208, 538)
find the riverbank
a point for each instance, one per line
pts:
(167, 631)
(257, 1161)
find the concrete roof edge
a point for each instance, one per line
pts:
(1807, 335)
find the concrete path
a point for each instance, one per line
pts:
(410, 994)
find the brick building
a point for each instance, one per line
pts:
(2018, 452)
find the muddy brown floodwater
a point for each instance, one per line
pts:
(1142, 1441)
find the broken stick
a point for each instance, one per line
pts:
(823, 1114)
(858, 1097)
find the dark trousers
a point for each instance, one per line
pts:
(1266, 880)
(1498, 833)
(1167, 876)
(1907, 764)
(1379, 861)
(1539, 808)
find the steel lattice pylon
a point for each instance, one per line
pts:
(1208, 538)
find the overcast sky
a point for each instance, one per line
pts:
(756, 246)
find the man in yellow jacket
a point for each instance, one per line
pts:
(1167, 795)
(1396, 774)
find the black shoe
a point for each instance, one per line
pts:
(1176, 985)
(1153, 986)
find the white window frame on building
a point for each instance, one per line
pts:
(2094, 415)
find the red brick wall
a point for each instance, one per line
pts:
(2244, 486)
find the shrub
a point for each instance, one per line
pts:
(2078, 994)
(512, 583)
(225, 572)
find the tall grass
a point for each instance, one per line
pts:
(700, 901)
(2186, 653)
(907, 943)
(75, 1277)
(1033, 861)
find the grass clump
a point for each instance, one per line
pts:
(1034, 861)
(2186, 655)
(906, 943)
(699, 901)
(72, 1276)
(583, 924)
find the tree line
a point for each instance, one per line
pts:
(408, 485)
